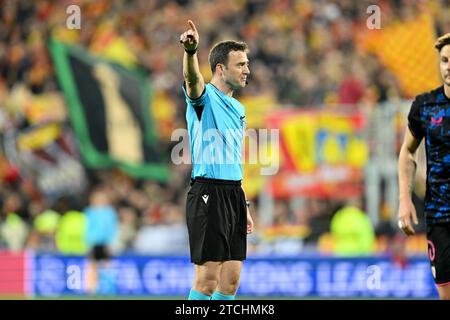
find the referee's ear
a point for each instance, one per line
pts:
(219, 67)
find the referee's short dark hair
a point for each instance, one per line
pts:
(219, 53)
(442, 41)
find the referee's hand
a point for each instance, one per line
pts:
(190, 38)
(249, 222)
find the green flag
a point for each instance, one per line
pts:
(109, 110)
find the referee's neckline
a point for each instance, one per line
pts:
(220, 91)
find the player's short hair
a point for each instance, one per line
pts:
(442, 41)
(219, 53)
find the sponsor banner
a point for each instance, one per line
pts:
(13, 274)
(302, 276)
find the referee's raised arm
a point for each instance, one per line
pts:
(191, 71)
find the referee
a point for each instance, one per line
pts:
(217, 215)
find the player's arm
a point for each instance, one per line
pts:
(407, 165)
(195, 83)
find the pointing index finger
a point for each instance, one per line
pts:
(192, 25)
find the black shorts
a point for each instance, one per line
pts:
(438, 236)
(216, 216)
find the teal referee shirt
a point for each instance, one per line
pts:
(216, 125)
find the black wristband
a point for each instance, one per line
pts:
(191, 52)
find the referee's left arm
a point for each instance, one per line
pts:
(250, 224)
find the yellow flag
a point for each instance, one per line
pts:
(407, 49)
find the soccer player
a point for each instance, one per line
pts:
(429, 118)
(217, 214)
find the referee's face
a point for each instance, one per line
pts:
(444, 64)
(236, 72)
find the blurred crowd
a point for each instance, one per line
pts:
(303, 53)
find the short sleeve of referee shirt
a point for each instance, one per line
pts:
(198, 102)
(415, 123)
